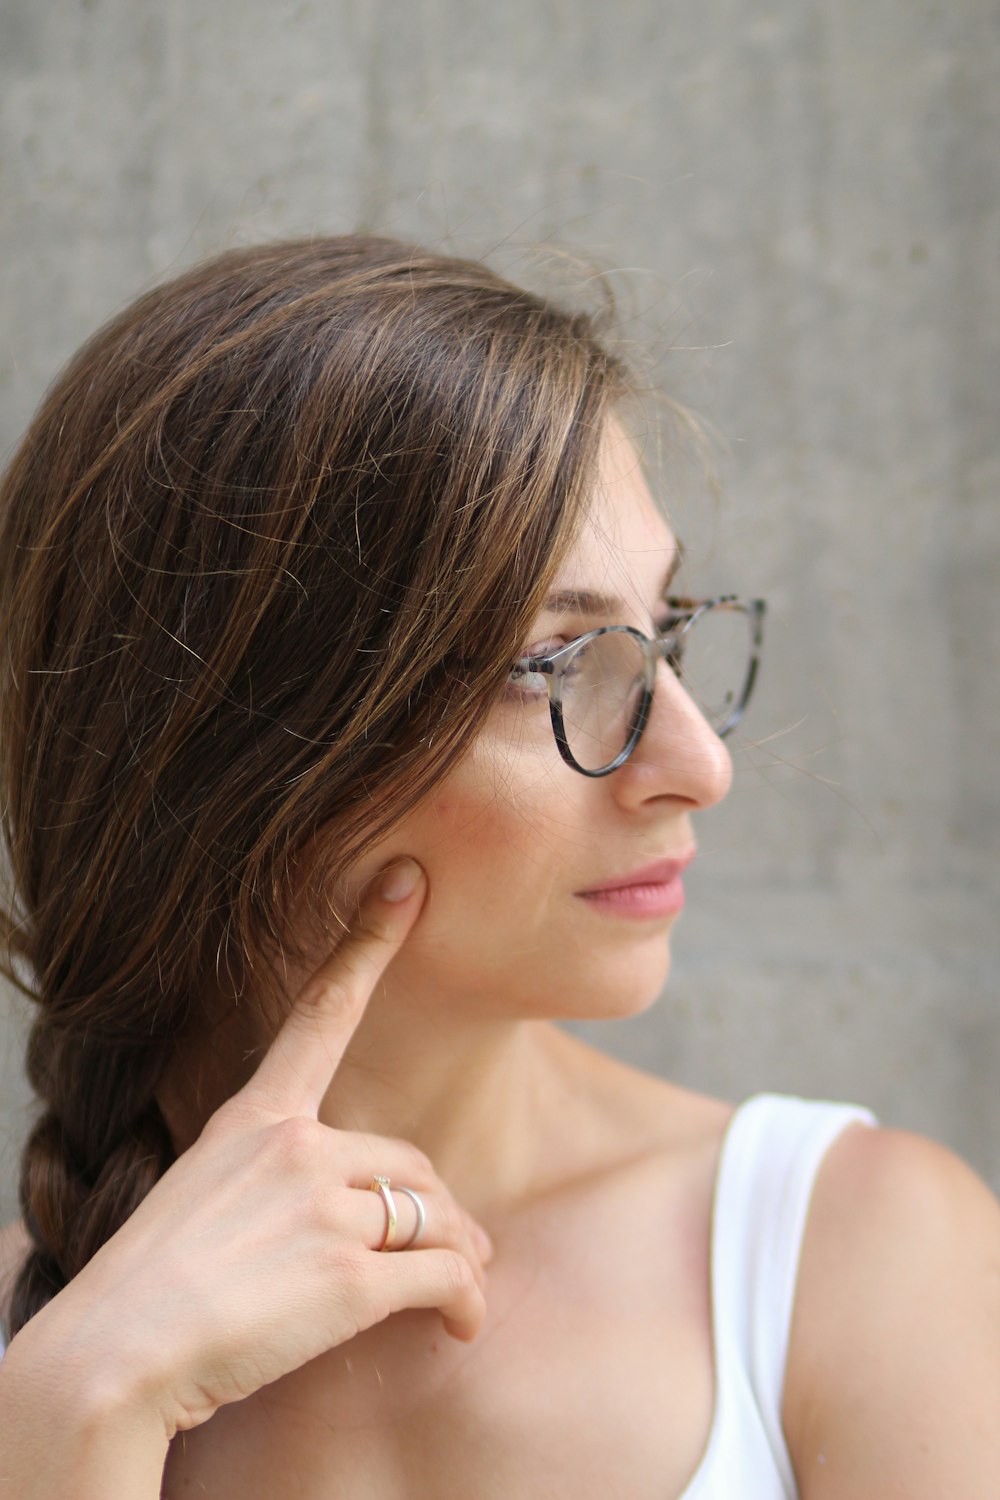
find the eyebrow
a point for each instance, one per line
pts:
(589, 602)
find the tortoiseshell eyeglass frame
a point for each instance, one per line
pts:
(667, 644)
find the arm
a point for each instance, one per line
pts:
(893, 1378)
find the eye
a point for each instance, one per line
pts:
(526, 686)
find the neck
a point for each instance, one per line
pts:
(474, 1098)
(483, 1098)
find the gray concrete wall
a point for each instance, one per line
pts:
(807, 196)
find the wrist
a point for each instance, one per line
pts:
(84, 1382)
(68, 1431)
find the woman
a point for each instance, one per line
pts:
(347, 705)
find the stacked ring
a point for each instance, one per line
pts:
(418, 1204)
(380, 1185)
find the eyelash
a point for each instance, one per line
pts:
(661, 627)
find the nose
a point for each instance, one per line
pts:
(679, 754)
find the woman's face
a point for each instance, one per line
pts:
(513, 835)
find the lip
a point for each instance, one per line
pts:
(662, 872)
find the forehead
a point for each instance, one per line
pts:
(625, 544)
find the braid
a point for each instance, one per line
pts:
(93, 1156)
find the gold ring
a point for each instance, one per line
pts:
(381, 1185)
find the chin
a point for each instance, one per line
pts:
(629, 989)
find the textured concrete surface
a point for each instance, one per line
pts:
(806, 201)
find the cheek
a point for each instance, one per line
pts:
(501, 848)
(501, 843)
(506, 839)
(467, 832)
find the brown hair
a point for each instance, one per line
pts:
(266, 552)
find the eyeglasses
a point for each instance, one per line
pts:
(600, 686)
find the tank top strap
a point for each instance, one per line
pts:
(772, 1151)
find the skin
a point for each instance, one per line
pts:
(581, 1363)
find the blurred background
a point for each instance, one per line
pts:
(798, 204)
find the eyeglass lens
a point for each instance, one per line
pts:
(603, 683)
(601, 693)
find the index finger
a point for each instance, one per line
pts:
(300, 1063)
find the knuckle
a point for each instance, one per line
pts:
(325, 993)
(379, 924)
(422, 1163)
(452, 1223)
(458, 1273)
(294, 1142)
(418, 1163)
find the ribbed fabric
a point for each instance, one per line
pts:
(772, 1151)
(773, 1148)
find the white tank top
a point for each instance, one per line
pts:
(772, 1150)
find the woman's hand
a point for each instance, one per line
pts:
(259, 1249)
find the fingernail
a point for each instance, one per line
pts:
(484, 1243)
(400, 881)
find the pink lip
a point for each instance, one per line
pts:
(663, 872)
(654, 891)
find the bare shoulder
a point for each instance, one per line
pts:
(14, 1246)
(893, 1375)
